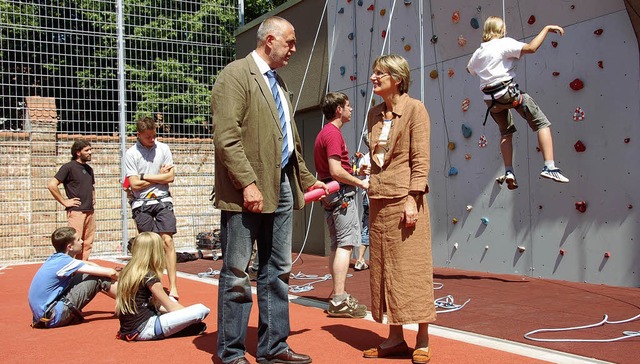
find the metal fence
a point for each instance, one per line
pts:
(103, 64)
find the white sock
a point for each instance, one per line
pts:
(550, 164)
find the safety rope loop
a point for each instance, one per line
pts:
(605, 320)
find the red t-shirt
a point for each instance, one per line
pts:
(329, 143)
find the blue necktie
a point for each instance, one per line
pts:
(273, 84)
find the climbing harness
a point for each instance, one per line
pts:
(605, 320)
(498, 91)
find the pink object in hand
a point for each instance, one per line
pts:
(126, 184)
(313, 195)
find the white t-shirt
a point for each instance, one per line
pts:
(495, 61)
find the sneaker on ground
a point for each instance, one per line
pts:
(510, 179)
(361, 265)
(349, 307)
(554, 174)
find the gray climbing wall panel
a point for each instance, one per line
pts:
(535, 230)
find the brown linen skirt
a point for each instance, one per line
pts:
(401, 264)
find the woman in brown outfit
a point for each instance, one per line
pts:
(400, 234)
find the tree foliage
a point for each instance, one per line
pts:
(68, 50)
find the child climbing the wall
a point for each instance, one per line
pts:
(145, 310)
(495, 63)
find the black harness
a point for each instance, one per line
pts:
(512, 90)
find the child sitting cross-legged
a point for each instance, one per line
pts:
(145, 310)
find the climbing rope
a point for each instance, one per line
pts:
(605, 320)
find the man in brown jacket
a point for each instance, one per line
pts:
(260, 177)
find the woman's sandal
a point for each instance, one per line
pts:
(378, 352)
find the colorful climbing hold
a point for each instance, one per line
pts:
(554, 44)
(462, 41)
(407, 47)
(598, 31)
(562, 252)
(465, 104)
(434, 39)
(455, 17)
(607, 254)
(466, 131)
(627, 140)
(578, 114)
(433, 74)
(484, 220)
(579, 146)
(384, 34)
(363, 92)
(532, 19)
(341, 11)
(521, 249)
(382, 11)
(353, 77)
(371, 7)
(474, 23)
(576, 85)
(467, 156)
(451, 145)
(451, 72)
(453, 171)
(581, 206)
(482, 142)
(556, 74)
(350, 36)
(360, 2)
(469, 208)
(342, 70)
(454, 221)
(601, 64)
(407, 2)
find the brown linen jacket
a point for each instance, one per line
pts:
(248, 139)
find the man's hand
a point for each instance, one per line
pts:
(253, 200)
(71, 202)
(166, 168)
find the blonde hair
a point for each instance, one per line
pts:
(493, 28)
(147, 256)
(397, 67)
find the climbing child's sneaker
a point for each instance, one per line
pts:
(554, 174)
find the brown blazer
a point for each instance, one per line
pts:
(406, 163)
(248, 139)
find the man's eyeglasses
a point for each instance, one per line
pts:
(379, 75)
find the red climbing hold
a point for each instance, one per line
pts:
(581, 206)
(370, 8)
(607, 254)
(556, 74)
(598, 31)
(562, 251)
(627, 140)
(532, 19)
(554, 44)
(352, 77)
(600, 64)
(576, 85)
(384, 33)
(580, 147)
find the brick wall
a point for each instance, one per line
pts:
(28, 160)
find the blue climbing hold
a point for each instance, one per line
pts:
(474, 23)
(362, 92)
(341, 11)
(350, 36)
(485, 220)
(360, 2)
(453, 171)
(466, 131)
(342, 70)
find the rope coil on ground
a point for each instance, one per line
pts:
(605, 320)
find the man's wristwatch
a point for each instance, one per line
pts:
(142, 176)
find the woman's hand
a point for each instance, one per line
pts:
(410, 213)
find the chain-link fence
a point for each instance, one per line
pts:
(88, 69)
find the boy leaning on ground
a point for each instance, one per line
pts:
(64, 285)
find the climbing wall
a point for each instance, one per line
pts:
(587, 83)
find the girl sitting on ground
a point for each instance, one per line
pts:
(145, 310)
